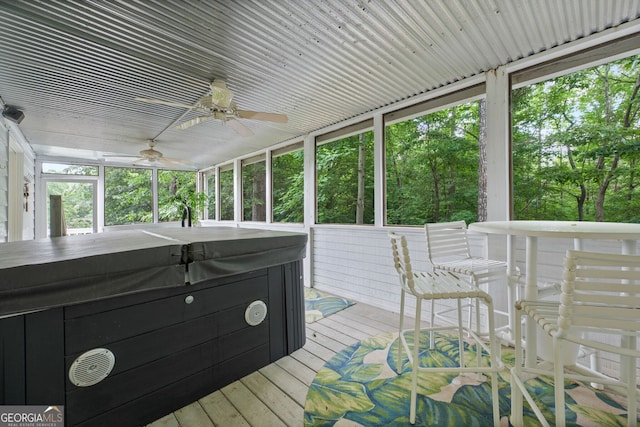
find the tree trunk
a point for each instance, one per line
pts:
(258, 208)
(482, 161)
(609, 177)
(436, 190)
(582, 198)
(361, 176)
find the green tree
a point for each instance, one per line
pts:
(176, 191)
(432, 167)
(211, 196)
(226, 195)
(576, 145)
(337, 172)
(127, 196)
(254, 191)
(288, 187)
(77, 202)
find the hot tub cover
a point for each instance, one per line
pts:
(37, 274)
(221, 251)
(45, 273)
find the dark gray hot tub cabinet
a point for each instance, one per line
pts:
(172, 343)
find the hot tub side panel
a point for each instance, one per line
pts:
(171, 346)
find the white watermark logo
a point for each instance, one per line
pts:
(32, 416)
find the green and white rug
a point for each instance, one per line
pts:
(359, 387)
(319, 305)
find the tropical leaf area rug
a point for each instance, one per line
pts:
(359, 387)
(318, 304)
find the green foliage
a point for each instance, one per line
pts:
(127, 196)
(226, 195)
(211, 196)
(77, 202)
(337, 180)
(576, 144)
(254, 192)
(288, 187)
(67, 169)
(432, 167)
(177, 190)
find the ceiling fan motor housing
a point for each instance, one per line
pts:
(220, 95)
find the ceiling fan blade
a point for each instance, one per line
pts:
(127, 159)
(207, 102)
(145, 162)
(239, 127)
(167, 161)
(192, 122)
(169, 103)
(267, 117)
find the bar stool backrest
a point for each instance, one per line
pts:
(447, 241)
(600, 292)
(402, 261)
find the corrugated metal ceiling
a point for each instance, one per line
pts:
(75, 67)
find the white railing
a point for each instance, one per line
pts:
(77, 231)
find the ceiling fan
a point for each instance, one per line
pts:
(151, 157)
(219, 106)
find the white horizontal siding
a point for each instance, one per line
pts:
(357, 264)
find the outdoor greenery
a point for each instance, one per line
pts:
(577, 145)
(211, 196)
(254, 191)
(176, 191)
(432, 167)
(344, 174)
(288, 187)
(77, 203)
(226, 195)
(127, 196)
(69, 169)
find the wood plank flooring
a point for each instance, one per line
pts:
(275, 395)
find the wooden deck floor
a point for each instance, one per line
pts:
(275, 395)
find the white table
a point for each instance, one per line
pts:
(628, 234)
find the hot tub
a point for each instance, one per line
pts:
(122, 328)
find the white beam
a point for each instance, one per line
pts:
(379, 170)
(498, 146)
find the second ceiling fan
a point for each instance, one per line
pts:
(219, 105)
